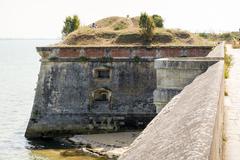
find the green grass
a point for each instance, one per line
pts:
(227, 64)
(125, 31)
(236, 43)
(229, 37)
(236, 46)
(225, 91)
(120, 25)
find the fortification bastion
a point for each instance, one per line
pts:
(92, 89)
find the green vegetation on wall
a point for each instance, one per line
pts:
(105, 59)
(83, 59)
(136, 59)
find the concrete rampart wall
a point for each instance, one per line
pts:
(189, 126)
(173, 74)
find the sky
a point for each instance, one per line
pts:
(44, 18)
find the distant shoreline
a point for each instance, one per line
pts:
(1, 39)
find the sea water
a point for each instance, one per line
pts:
(19, 68)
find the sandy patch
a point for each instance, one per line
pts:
(110, 144)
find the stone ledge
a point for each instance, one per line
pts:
(217, 52)
(184, 63)
(123, 51)
(49, 48)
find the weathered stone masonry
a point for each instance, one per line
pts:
(92, 89)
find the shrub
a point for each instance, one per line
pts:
(158, 21)
(182, 34)
(163, 37)
(136, 59)
(70, 25)
(147, 26)
(226, 36)
(36, 113)
(225, 91)
(236, 43)
(204, 35)
(120, 25)
(129, 38)
(106, 35)
(83, 59)
(53, 58)
(227, 64)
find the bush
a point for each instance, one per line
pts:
(236, 43)
(163, 38)
(83, 59)
(147, 26)
(225, 91)
(53, 58)
(120, 25)
(227, 64)
(226, 36)
(70, 25)
(129, 38)
(136, 59)
(158, 21)
(182, 34)
(204, 35)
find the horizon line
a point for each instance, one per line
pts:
(30, 38)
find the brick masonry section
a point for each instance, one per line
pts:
(124, 52)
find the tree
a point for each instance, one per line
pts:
(147, 26)
(158, 21)
(75, 22)
(67, 26)
(70, 25)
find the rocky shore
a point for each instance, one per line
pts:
(109, 145)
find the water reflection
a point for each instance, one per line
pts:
(57, 154)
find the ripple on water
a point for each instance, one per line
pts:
(19, 68)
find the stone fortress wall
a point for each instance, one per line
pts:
(190, 126)
(92, 89)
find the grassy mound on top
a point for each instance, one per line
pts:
(125, 31)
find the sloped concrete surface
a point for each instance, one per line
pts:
(189, 127)
(217, 52)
